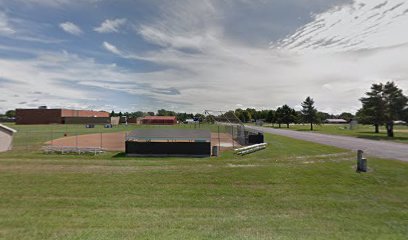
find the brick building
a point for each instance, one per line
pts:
(159, 120)
(59, 116)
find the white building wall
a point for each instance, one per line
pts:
(6, 139)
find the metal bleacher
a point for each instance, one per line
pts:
(71, 150)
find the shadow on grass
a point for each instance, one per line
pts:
(120, 155)
(365, 132)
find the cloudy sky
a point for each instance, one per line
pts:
(191, 55)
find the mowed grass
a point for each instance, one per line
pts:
(362, 131)
(291, 190)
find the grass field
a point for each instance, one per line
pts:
(291, 190)
(362, 131)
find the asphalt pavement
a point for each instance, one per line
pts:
(382, 149)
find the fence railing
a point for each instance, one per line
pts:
(250, 149)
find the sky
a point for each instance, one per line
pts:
(190, 55)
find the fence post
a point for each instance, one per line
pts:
(27, 137)
(76, 141)
(232, 136)
(219, 140)
(101, 141)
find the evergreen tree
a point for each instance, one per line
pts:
(383, 105)
(373, 110)
(309, 112)
(395, 104)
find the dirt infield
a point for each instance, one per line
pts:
(105, 141)
(116, 141)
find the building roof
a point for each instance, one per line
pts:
(169, 134)
(160, 117)
(7, 128)
(336, 120)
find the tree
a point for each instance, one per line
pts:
(252, 113)
(138, 114)
(270, 117)
(309, 112)
(163, 112)
(182, 117)
(373, 110)
(405, 114)
(383, 104)
(11, 113)
(200, 117)
(243, 115)
(346, 116)
(322, 116)
(285, 115)
(263, 114)
(395, 104)
(247, 116)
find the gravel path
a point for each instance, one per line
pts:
(383, 149)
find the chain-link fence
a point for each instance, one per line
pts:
(80, 138)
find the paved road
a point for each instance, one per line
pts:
(383, 149)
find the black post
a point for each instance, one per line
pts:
(219, 140)
(390, 128)
(361, 162)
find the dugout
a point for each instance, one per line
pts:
(169, 142)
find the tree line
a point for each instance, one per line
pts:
(382, 105)
(181, 116)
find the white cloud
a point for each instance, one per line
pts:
(57, 79)
(24, 30)
(224, 73)
(5, 28)
(111, 48)
(205, 68)
(56, 3)
(361, 25)
(71, 28)
(110, 25)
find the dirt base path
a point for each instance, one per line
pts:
(383, 149)
(105, 141)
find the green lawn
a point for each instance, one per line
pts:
(362, 131)
(291, 190)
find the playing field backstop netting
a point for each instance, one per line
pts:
(232, 125)
(227, 132)
(81, 139)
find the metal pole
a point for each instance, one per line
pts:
(219, 140)
(232, 136)
(101, 140)
(27, 137)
